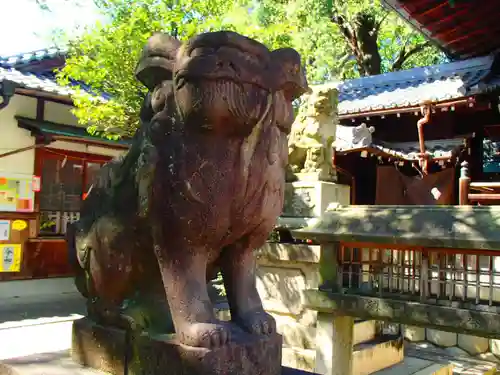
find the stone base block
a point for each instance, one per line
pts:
(106, 349)
(473, 345)
(441, 338)
(376, 355)
(364, 330)
(415, 334)
(254, 356)
(98, 347)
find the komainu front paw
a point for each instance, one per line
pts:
(258, 322)
(206, 335)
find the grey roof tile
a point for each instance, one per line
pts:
(34, 81)
(412, 87)
(42, 82)
(442, 148)
(33, 56)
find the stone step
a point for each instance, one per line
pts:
(377, 354)
(417, 366)
(368, 357)
(427, 359)
(463, 363)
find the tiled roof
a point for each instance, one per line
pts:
(411, 87)
(45, 82)
(443, 148)
(436, 149)
(24, 71)
(30, 57)
(47, 127)
(33, 81)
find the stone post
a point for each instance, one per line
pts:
(334, 333)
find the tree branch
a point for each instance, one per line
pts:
(344, 28)
(350, 35)
(405, 55)
(379, 23)
(344, 59)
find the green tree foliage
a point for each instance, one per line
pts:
(338, 40)
(106, 54)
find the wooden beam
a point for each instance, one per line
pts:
(482, 323)
(48, 96)
(484, 197)
(91, 142)
(485, 186)
(40, 109)
(383, 112)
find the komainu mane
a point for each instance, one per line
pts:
(199, 189)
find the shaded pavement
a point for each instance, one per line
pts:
(36, 307)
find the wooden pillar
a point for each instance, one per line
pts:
(334, 332)
(464, 184)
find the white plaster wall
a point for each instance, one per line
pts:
(91, 149)
(105, 151)
(12, 137)
(60, 114)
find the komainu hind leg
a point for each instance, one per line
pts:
(108, 272)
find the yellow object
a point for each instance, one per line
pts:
(19, 225)
(10, 257)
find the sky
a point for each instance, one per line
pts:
(27, 28)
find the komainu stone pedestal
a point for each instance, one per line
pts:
(258, 356)
(105, 349)
(99, 347)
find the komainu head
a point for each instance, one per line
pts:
(221, 81)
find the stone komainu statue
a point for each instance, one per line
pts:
(199, 189)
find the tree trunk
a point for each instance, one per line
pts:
(369, 57)
(361, 37)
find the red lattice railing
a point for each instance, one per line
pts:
(439, 276)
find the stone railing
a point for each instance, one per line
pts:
(439, 273)
(285, 270)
